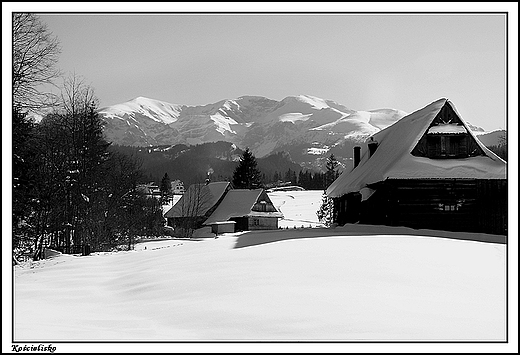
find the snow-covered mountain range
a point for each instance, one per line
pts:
(308, 127)
(256, 122)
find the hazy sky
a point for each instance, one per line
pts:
(363, 61)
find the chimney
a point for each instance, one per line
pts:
(372, 146)
(357, 155)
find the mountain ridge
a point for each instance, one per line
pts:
(145, 122)
(264, 125)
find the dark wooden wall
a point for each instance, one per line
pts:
(492, 206)
(467, 205)
(242, 223)
(347, 209)
(455, 146)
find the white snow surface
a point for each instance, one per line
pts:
(312, 284)
(312, 101)
(298, 208)
(293, 117)
(447, 128)
(317, 151)
(156, 110)
(359, 123)
(223, 123)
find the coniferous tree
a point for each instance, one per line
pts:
(331, 173)
(246, 174)
(276, 177)
(325, 213)
(25, 149)
(121, 193)
(166, 189)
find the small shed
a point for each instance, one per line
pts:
(223, 227)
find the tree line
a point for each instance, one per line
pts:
(71, 191)
(309, 180)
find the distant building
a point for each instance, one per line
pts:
(427, 170)
(249, 209)
(177, 187)
(150, 190)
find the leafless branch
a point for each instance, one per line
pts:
(35, 55)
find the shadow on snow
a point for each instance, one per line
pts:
(269, 236)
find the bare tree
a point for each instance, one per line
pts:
(76, 96)
(35, 55)
(192, 209)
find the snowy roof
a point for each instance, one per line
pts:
(448, 128)
(239, 203)
(393, 158)
(198, 199)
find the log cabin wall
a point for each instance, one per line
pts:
(458, 205)
(467, 205)
(262, 223)
(347, 208)
(492, 206)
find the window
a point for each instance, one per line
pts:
(443, 146)
(260, 206)
(450, 206)
(256, 222)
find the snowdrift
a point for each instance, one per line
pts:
(305, 287)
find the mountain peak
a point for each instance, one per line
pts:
(140, 98)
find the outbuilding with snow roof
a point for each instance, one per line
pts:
(249, 209)
(427, 170)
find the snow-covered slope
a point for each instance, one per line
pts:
(348, 284)
(155, 110)
(140, 122)
(144, 121)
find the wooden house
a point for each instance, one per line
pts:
(249, 209)
(196, 204)
(427, 170)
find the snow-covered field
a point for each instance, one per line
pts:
(298, 207)
(312, 284)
